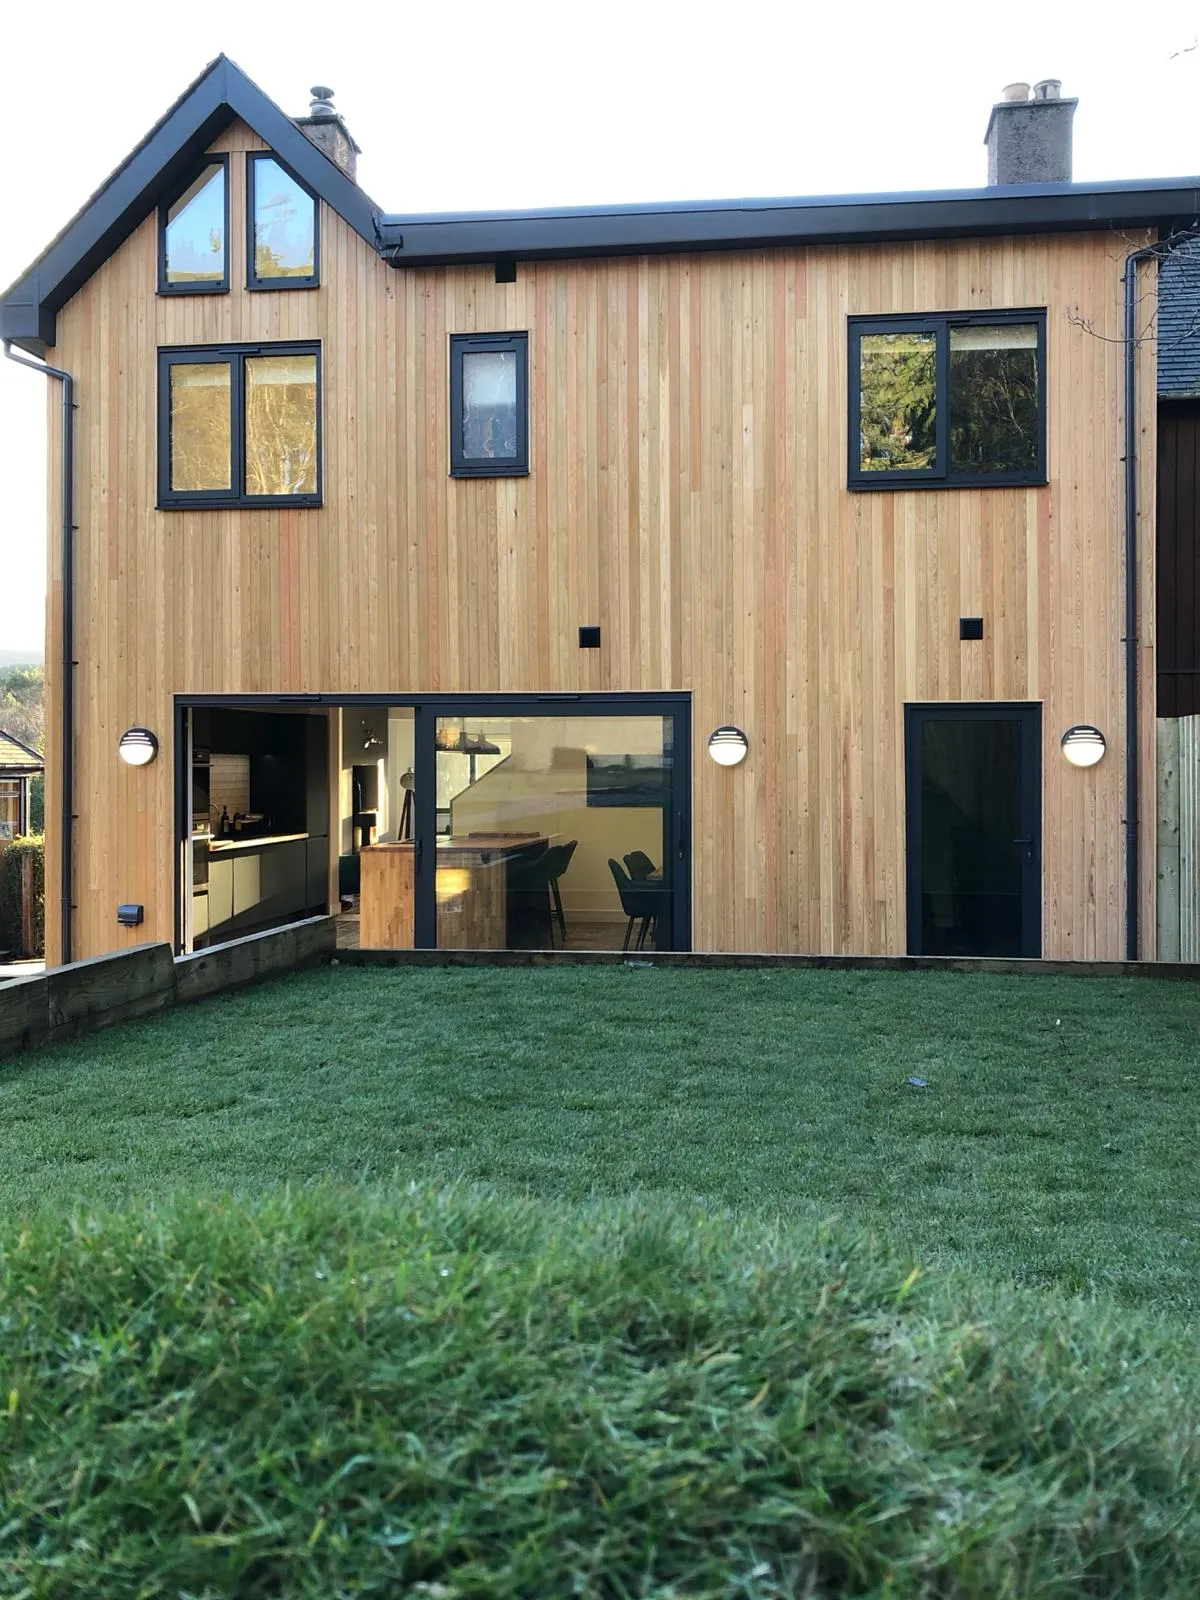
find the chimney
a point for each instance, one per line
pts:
(328, 132)
(1029, 140)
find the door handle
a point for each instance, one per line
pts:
(1022, 841)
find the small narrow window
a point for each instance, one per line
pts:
(282, 228)
(239, 425)
(193, 234)
(489, 431)
(948, 400)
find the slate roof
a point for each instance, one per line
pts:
(16, 757)
(1179, 322)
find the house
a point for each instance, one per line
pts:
(18, 764)
(766, 575)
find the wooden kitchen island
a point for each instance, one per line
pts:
(470, 889)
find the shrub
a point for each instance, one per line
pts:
(11, 878)
(444, 1394)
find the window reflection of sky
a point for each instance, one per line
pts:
(283, 223)
(196, 230)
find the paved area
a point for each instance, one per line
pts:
(20, 969)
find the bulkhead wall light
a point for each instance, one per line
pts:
(138, 747)
(1083, 745)
(727, 746)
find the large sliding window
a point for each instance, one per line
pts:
(955, 400)
(239, 425)
(193, 234)
(282, 244)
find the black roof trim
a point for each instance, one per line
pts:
(824, 219)
(28, 309)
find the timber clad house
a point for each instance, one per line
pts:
(770, 575)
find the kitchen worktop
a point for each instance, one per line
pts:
(225, 846)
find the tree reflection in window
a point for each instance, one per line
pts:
(193, 233)
(897, 383)
(489, 412)
(281, 424)
(993, 399)
(200, 425)
(285, 224)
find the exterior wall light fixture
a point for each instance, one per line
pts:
(1083, 745)
(138, 747)
(727, 746)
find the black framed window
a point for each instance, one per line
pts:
(193, 233)
(953, 400)
(282, 227)
(239, 425)
(489, 408)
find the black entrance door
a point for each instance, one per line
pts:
(974, 784)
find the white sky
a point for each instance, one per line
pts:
(496, 103)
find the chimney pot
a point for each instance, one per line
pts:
(322, 102)
(1029, 141)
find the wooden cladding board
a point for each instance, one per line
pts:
(687, 492)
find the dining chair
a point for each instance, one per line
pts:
(640, 904)
(561, 859)
(639, 865)
(528, 877)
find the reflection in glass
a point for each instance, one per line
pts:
(200, 425)
(10, 807)
(971, 873)
(194, 243)
(489, 420)
(897, 378)
(281, 424)
(562, 840)
(993, 399)
(284, 224)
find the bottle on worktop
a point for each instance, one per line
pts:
(223, 828)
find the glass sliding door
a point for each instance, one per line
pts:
(556, 829)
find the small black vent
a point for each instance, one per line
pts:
(970, 627)
(506, 270)
(130, 916)
(589, 638)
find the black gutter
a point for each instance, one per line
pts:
(1132, 809)
(67, 775)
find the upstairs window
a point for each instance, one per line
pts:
(282, 226)
(193, 234)
(489, 425)
(239, 425)
(949, 400)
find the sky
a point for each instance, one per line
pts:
(491, 105)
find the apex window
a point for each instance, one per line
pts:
(281, 226)
(489, 423)
(193, 234)
(953, 400)
(239, 425)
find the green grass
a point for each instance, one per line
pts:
(1055, 1144)
(340, 1393)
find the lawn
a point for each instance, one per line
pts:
(1053, 1143)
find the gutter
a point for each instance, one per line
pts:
(67, 490)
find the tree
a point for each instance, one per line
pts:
(21, 709)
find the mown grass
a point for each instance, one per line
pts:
(1055, 1143)
(345, 1392)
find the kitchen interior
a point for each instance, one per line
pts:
(260, 820)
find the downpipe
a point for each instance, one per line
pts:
(66, 732)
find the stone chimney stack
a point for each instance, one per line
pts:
(329, 133)
(1029, 139)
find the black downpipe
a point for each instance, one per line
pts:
(66, 769)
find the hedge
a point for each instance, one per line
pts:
(11, 862)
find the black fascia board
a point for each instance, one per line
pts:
(745, 224)
(163, 159)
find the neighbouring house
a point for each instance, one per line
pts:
(18, 765)
(757, 575)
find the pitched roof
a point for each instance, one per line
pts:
(1179, 322)
(14, 754)
(153, 172)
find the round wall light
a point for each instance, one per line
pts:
(727, 746)
(1083, 745)
(138, 747)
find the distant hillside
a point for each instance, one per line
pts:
(32, 657)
